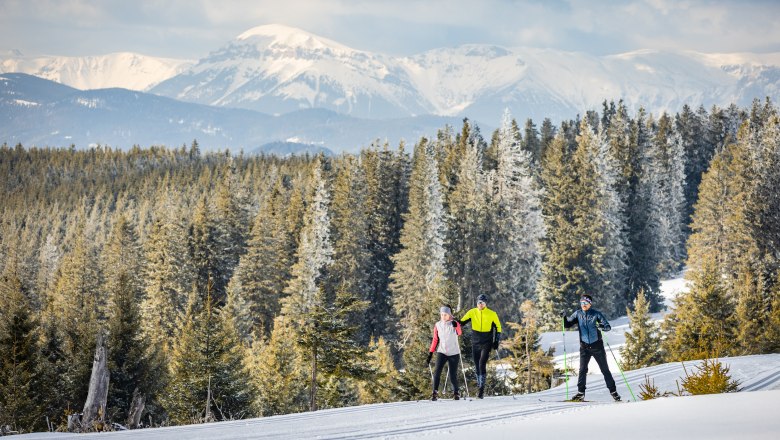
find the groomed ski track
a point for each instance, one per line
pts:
(426, 418)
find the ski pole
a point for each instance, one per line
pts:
(465, 382)
(444, 390)
(618, 365)
(565, 369)
(504, 368)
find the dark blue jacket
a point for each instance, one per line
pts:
(587, 323)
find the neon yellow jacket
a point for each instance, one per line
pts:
(482, 320)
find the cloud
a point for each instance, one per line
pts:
(192, 28)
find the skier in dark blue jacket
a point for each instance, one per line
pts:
(589, 321)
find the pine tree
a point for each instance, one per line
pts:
(352, 265)
(79, 307)
(643, 343)
(702, 323)
(751, 312)
(278, 373)
(533, 366)
(468, 266)
(668, 213)
(418, 279)
(208, 377)
(383, 386)
(134, 363)
(256, 289)
(21, 395)
(387, 176)
(168, 277)
(517, 224)
(560, 283)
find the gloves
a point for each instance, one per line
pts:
(454, 323)
(563, 314)
(428, 361)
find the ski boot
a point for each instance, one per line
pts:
(615, 396)
(455, 396)
(435, 396)
(579, 397)
(481, 393)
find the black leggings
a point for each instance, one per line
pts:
(481, 353)
(452, 361)
(595, 350)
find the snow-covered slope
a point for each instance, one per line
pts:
(277, 69)
(535, 416)
(126, 70)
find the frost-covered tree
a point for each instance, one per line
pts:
(168, 276)
(257, 286)
(643, 342)
(467, 247)
(516, 221)
(419, 277)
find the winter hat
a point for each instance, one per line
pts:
(587, 299)
(445, 309)
(482, 298)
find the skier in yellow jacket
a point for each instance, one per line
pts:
(485, 334)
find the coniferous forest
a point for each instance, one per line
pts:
(223, 286)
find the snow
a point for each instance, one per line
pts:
(747, 415)
(124, 69)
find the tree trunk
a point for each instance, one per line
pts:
(313, 391)
(136, 409)
(95, 407)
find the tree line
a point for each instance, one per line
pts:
(230, 286)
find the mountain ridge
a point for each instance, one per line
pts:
(278, 69)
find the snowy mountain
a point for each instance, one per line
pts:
(38, 112)
(326, 94)
(126, 70)
(277, 69)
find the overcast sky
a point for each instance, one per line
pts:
(193, 28)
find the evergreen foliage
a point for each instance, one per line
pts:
(712, 377)
(643, 342)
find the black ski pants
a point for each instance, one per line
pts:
(596, 351)
(481, 353)
(452, 362)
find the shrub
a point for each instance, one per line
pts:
(712, 377)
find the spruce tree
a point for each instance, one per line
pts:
(168, 276)
(702, 324)
(383, 385)
(352, 264)
(79, 309)
(208, 377)
(133, 362)
(643, 343)
(516, 222)
(278, 373)
(418, 279)
(21, 392)
(258, 282)
(533, 366)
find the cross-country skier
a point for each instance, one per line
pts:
(589, 321)
(485, 334)
(447, 348)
